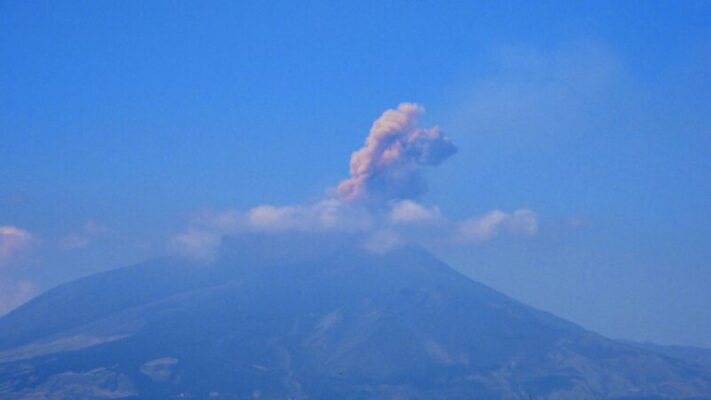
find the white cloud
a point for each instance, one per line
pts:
(520, 222)
(271, 218)
(408, 211)
(13, 241)
(401, 222)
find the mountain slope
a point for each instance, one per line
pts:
(308, 318)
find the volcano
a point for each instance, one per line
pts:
(309, 317)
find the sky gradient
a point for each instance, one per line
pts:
(121, 123)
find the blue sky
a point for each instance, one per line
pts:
(119, 121)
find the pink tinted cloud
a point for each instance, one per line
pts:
(13, 241)
(396, 149)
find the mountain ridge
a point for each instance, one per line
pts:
(328, 321)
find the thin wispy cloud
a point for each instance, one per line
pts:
(204, 235)
(522, 222)
(536, 97)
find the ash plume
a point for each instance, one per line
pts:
(388, 166)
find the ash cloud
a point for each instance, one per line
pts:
(388, 165)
